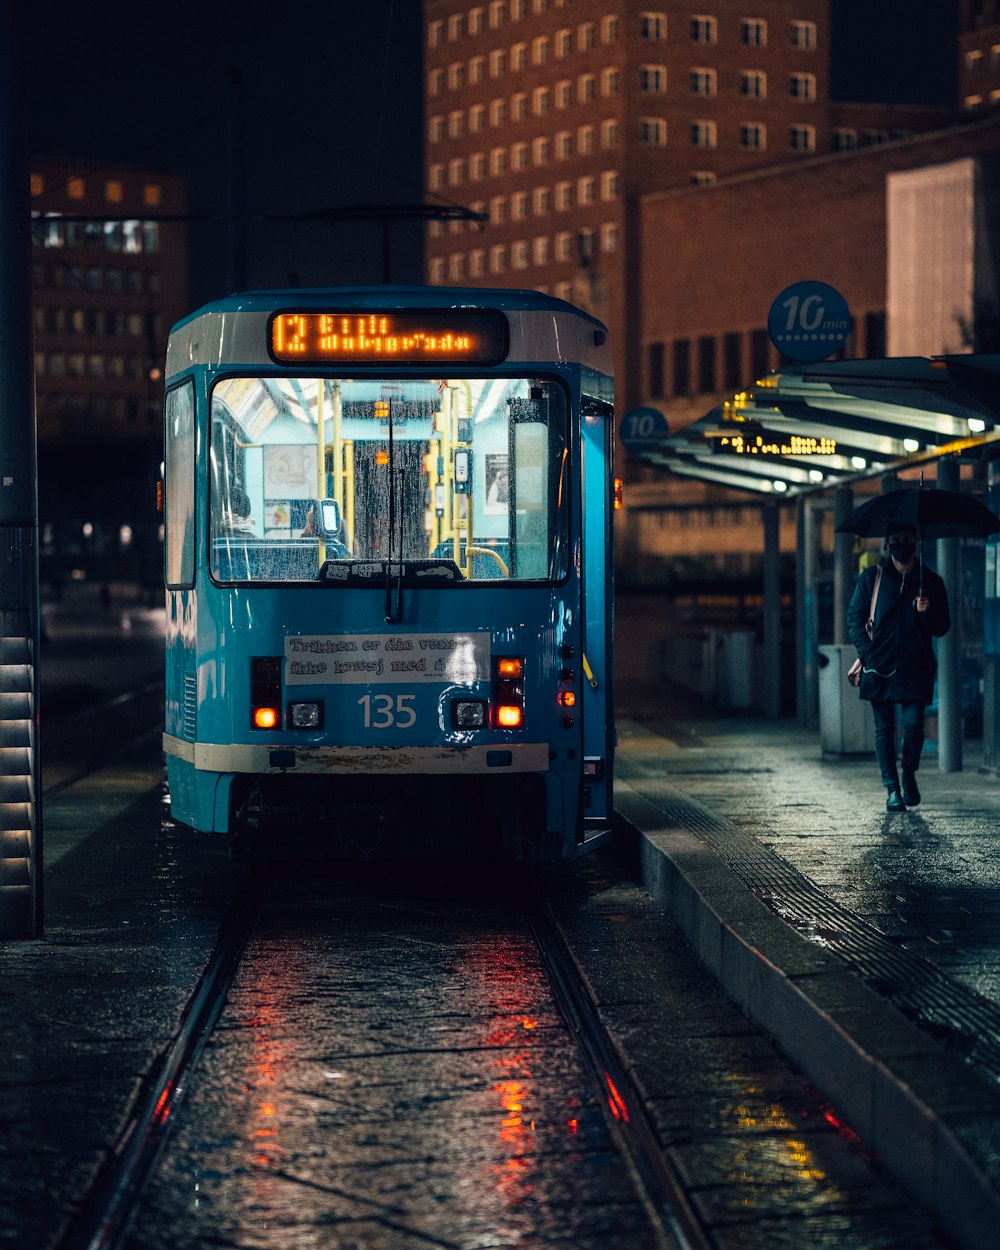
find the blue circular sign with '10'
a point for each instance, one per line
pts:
(809, 321)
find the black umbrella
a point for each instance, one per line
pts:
(933, 513)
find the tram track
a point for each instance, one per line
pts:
(115, 1200)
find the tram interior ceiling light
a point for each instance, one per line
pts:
(859, 462)
(910, 444)
(976, 425)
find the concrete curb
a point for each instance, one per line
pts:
(925, 1112)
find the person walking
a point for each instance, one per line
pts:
(907, 606)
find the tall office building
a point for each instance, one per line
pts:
(554, 117)
(979, 62)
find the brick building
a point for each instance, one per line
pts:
(555, 117)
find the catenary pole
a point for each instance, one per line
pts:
(20, 805)
(949, 556)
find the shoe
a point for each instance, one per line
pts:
(894, 801)
(911, 795)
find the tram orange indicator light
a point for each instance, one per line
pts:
(511, 666)
(619, 494)
(567, 698)
(265, 717)
(509, 716)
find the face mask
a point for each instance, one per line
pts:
(903, 552)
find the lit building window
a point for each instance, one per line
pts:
(519, 206)
(585, 140)
(703, 134)
(703, 29)
(456, 124)
(653, 27)
(519, 254)
(435, 81)
(973, 104)
(37, 184)
(609, 185)
(478, 166)
(113, 191)
(564, 145)
(477, 69)
(477, 263)
(498, 258)
(586, 88)
(753, 84)
(518, 107)
(541, 201)
(563, 43)
(541, 151)
(753, 136)
(435, 177)
(802, 86)
(564, 245)
(702, 177)
(519, 56)
(540, 50)
(76, 188)
(564, 196)
(609, 133)
(519, 156)
(653, 132)
(586, 190)
(753, 32)
(456, 76)
(435, 30)
(609, 83)
(477, 21)
(435, 129)
(803, 35)
(973, 62)
(477, 118)
(609, 237)
(540, 101)
(585, 37)
(498, 13)
(498, 210)
(456, 26)
(564, 291)
(436, 269)
(844, 138)
(498, 161)
(564, 94)
(802, 138)
(609, 29)
(704, 82)
(995, 57)
(498, 63)
(456, 267)
(653, 79)
(540, 250)
(498, 112)
(456, 172)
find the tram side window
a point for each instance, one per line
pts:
(179, 467)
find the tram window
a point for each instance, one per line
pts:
(457, 480)
(179, 463)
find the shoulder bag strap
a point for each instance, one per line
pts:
(871, 610)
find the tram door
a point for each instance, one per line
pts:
(374, 473)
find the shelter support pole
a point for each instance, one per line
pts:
(20, 804)
(844, 565)
(772, 610)
(949, 679)
(806, 684)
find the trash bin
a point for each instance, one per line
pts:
(845, 720)
(736, 669)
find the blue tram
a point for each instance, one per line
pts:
(388, 554)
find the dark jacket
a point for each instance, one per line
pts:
(898, 660)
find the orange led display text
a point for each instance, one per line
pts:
(473, 335)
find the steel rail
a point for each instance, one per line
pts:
(103, 1222)
(660, 1188)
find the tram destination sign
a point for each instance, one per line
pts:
(474, 336)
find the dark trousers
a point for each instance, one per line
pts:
(912, 725)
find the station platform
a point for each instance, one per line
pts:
(866, 943)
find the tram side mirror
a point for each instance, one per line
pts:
(329, 518)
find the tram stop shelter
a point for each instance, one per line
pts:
(813, 436)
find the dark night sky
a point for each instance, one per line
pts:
(333, 107)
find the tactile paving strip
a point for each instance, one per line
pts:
(957, 1015)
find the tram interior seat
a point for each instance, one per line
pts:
(484, 566)
(244, 558)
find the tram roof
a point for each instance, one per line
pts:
(807, 428)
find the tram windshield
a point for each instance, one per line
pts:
(431, 480)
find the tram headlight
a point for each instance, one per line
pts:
(468, 714)
(306, 715)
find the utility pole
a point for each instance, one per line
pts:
(20, 804)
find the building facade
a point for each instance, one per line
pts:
(109, 279)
